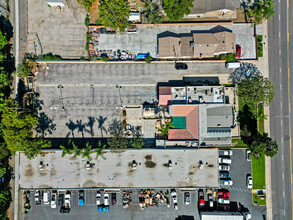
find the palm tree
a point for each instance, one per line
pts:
(87, 151)
(261, 10)
(99, 151)
(165, 129)
(76, 150)
(65, 150)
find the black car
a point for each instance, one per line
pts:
(113, 199)
(64, 210)
(61, 199)
(181, 66)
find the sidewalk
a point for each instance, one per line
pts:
(263, 66)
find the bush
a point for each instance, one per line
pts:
(124, 123)
(50, 57)
(259, 46)
(87, 20)
(87, 46)
(94, 58)
(148, 59)
(104, 58)
(124, 113)
(229, 57)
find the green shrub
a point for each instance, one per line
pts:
(104, 58)
(124, 123)
(148, 59)
(87, 20)
(94, 58)
(124, 113)
(229, 57)
(87, 46)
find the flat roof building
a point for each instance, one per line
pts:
(190, 169)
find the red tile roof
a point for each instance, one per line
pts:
(191, 131)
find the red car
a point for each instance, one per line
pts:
(113, 199)
(201, 198)
(223, 194)
(238, 51)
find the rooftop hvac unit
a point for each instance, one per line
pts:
(191, 44)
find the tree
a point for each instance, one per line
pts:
(247, 70)
(261, 10)
(86, 3)
(114, 14)
(152, 13)
(263, 144)
(34, 147)
(86, 152)
(136, 141)
(76, 150)
(148, 59)
(164, 130)
(66, 150)
(117, 141)
(22, 70)
(3, 40)
(2, 171)
(255, 90)
(176, 9)
(100, 150)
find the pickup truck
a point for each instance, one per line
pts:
(67, 200)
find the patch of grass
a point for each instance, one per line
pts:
(238, 143)
(258, 201)
(261, 119)
(259, 46)
(229, 57)
(258, 173)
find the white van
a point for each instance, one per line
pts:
(46, 198)
(233, 65)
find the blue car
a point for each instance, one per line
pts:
(103, 208)
(81, 198)
(224, 175)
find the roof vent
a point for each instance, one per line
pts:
(191, 44)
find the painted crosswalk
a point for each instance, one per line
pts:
(239, 189)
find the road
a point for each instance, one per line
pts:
(280, 70)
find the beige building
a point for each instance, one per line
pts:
(198, 45)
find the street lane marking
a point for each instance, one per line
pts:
(279, 18)
(282, 140)
(284, 195)
(283, 176)
(281, 107)
(280, 70)
(279, 34)
(280, 52)
(281, 121)
(283, 157)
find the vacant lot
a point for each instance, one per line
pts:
(60, 31)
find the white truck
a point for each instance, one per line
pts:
(67, 200)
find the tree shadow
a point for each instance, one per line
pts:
(101, 120)
(45, 125)
(81, 127)
(248, 121)
(115, 127)
(247, 71)
(72, 127)
(90, 124)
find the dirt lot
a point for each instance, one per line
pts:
(56, 30)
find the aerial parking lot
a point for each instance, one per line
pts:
(83, 99)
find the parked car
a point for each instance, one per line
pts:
(103, 208)
(226, 182)
(249, 181)
(53, 200)
(211, 200)
(174, 199)
(227, 152)
(224, 174)
(224, 201)
(61, 200)
(187, 198)
(46, 197)
(238, 51)
(225, 160)
(248, 155)
(223, 194)
(201, 198)
(81, 198)
(98, 198)
(223, 167)
(38, 197)
(113, 199)
(106, 199)
(181, 66)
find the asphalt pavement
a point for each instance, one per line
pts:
(280, 71)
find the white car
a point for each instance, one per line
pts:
(211, 200)
(225, 160)
(224, 168)
(174, 199)
(227, 152)
(249, 182)
(224, 201)
(187, 198)
(53, 201)
(226, 182)
(98, 198)
(248, 155)
(106, 199)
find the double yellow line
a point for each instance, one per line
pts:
(290, 140)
